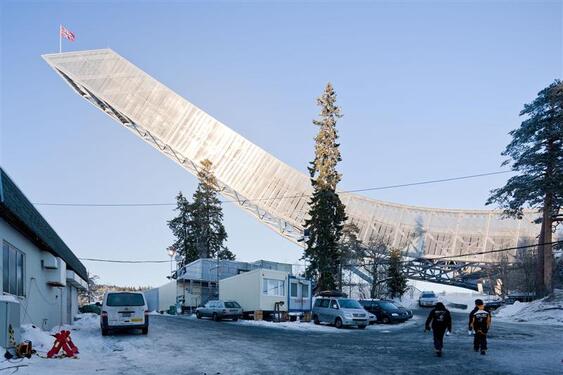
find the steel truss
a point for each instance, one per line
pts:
(284, 228)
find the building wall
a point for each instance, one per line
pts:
(167, 295)
(268, 302)
(246, 289)
(43, 305)
(243, 288)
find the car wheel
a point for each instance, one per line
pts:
(316, 320)
(386, 320)
(235, 319)
(362, 327)
(338, 323)
(198, 315)
(104, 332)
(145, 330)
(215, 317)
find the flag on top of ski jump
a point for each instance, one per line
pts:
(65, 33)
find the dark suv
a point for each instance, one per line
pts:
(385, 311)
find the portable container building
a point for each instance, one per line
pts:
(260, 289)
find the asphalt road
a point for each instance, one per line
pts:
(185, 346)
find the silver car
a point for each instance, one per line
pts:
(340, 312)
(427, 299)
(218, 310)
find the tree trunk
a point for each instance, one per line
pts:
(547, 247)
(540, 287)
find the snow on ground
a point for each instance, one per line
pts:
(310, 326)
(548, 310)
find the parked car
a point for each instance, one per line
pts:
(493, 303)
(372, 318)
(340, 312)
(218, 310)
(402, 308)
(427, 299)
(384, 311)
(124, 311)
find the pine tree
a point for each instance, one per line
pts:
(206, 222)
(182, 231)
(536, 154)
(397, 281)
(351, 250)
(326, 211)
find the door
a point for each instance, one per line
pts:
(299, 295)
(69, 299)
(295, 301)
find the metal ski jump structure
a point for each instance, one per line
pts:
(272, 191)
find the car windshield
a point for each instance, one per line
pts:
(232, 305)
(387, 306)
(125, 299)
(349, 304)
(428, 295)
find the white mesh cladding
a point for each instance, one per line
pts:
(271, 190)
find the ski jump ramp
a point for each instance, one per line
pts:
(272, 191)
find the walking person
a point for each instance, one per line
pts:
(439, 320)
(470, 328)
(480, 323)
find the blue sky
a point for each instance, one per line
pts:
(428, 90)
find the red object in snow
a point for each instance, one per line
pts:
(64, 342)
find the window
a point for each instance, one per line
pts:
(333, 304)
(304, 290)
(125, 299)
(232, 305)
(293, 290)
(325, 303)
(349, 304)
(13, 266)
(271, 287)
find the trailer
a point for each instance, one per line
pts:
(262, 292)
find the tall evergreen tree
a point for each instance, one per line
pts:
(207, 217)
(396, 281)
(182, 230)
(536, 154)
(326, 211)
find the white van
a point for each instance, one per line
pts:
(124, 310)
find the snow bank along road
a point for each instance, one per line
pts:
(180, 345)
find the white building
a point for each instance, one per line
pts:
(38, 270)
(261, 289)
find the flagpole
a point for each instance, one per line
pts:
(60, 40)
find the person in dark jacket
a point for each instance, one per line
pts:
(481, 322)
(439, 320)
(477, 303)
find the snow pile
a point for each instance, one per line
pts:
(300, 326)
(548, 310)
(410, 298)
(311, 327)
(87, 321)
(42, 341)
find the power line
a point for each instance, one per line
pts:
(425, 182)
(298, 264)
(124, 261)
(496, 250)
